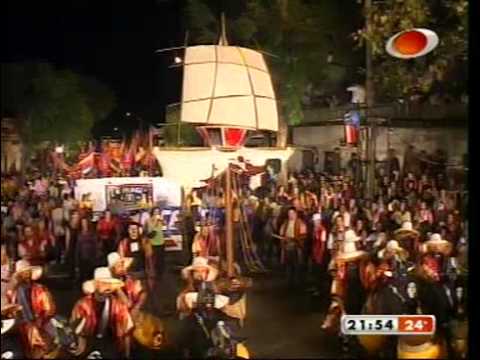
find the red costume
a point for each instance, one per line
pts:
(319, 244)
(119, 318)
(106, 229)
(42, 308)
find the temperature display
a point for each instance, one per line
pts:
(388, 324)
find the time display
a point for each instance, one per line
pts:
(388, 324)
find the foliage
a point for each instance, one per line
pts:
(100, 97)
(188, 135)
(300, 34)
(397, 78)
(54, 105)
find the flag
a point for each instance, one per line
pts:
(352, 127)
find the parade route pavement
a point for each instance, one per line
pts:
(280, 323)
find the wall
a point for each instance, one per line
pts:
(12, 150)
(453, 141)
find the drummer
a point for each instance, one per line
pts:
(434, 255)
(134, 289)
(393, 262)
(6, 274)
(38, 308)
(104, 304)
(195, 275)
(408, 238)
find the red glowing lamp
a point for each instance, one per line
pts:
(224, 137)
(412, 43)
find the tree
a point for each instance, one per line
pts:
(301, 35)
(100, 97)
(439, 70)
(53, 105)
(178, 134)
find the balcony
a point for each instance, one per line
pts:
(397, 115)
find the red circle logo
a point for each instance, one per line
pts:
(410, 42)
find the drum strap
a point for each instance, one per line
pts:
(449, 295)
(105, 318)
(397, 293)
(202, 325)
(25, 300)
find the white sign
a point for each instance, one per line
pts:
(165, 192)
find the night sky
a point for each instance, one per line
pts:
(114, 41)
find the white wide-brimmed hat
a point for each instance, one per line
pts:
(103, 281)
(394, 247)
(437, 244)
(406, 230)
(191, 299)
(22, 266)
(350, 236)
(114, 258)
(200, 263)
(7, 325)
(349, 250)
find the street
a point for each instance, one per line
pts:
(279, 324)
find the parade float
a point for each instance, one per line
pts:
(227, 94)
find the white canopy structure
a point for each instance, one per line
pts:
(228, 86)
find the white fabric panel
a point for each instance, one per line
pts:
(198, 81)
(232, 103)
(199, 54)
(188, 167)
(235, 111)
(229, 54)
(232, 80)
(195, 112)
(262, 84)
(254, 58)
(267, 114)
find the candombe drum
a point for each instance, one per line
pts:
(420, 347)
(10, 346)
(372, 343)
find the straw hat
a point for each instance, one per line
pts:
(393, 247)
(348, 250)
(103, 282)
(406, 230)
(191, 300)
(22, 266)
(200, 263)
(114, 258)
(438, 245)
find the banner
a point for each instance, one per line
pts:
(129, 197)
(130, 192)
(171, 229)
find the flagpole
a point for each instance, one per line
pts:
(229, 222)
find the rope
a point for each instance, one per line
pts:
(251, 260)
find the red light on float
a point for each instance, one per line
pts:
(224, 137)
(235, 137)
(412, 43)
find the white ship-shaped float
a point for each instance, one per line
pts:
(227, 94)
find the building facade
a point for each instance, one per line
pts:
(12, 148)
